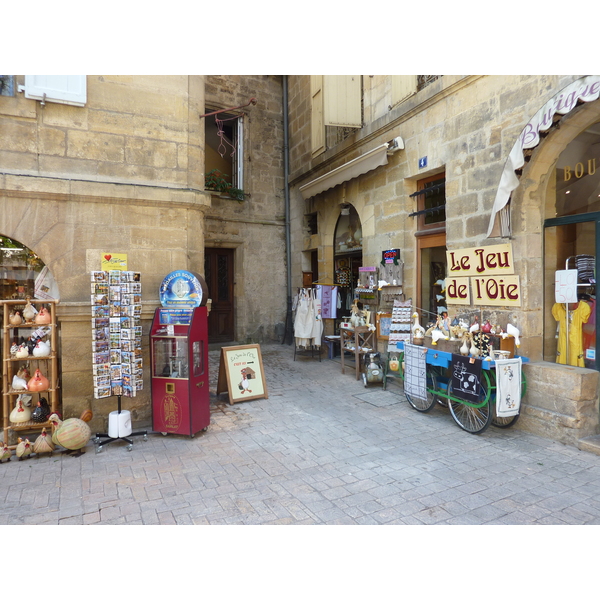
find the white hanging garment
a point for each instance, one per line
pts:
(303, 321)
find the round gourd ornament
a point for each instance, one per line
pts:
(38, 383)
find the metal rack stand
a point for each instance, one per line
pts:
(108, 438)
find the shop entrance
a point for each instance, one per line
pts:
(218, 274)
(347, 258)
(572, 241)
(431, 272)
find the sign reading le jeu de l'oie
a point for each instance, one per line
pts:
(482, 275)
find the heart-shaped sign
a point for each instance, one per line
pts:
(107, 256)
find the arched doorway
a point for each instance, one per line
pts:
(24, 273)
(348, 256)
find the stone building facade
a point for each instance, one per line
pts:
(456, 134)
(123, 171)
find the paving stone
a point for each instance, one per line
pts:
(322, 449)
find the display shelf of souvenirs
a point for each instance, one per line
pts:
(30, 364)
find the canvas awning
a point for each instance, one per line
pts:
(357, 166)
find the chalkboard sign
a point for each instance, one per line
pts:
(241, 373)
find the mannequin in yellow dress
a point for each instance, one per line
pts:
(578, 315)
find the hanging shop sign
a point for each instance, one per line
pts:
(390, 257)
(183, 289)
(483, 276)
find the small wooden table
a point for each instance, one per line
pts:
(358, 341)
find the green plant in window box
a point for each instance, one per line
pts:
(215, 181)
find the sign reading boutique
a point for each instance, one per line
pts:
(482, 276)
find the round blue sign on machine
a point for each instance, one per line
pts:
(183, 289)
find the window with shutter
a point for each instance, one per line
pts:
(63, 89)
(342, 100)
(403, 86)
(317, 124)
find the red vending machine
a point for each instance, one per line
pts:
(179, 356)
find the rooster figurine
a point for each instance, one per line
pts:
(72, 434)
(42, 349)
(5, 453)
(24, 449)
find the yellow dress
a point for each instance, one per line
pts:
(577, 318)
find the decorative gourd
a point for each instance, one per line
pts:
(72, 434)
(20, 413)
(43, 317)
(43, 444)
(38, 383)
(29, 312)
(15, 318)
(41, 411)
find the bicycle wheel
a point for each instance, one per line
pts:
(420, 404)
(472, 419)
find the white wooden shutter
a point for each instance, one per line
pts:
(64, 89)
(317, 124)
(403, 86)
(342, 97)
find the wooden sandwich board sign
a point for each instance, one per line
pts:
(241, 373)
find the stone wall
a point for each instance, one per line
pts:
(254, 227)
(465, 126)
(122, 174)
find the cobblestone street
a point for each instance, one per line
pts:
(322, 449)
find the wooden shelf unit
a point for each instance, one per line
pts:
(358, 342)
(48, 365)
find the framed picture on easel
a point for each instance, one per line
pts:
(384, 321)
(241, 373)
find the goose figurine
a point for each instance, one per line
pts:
(42, 349)
(417, 330)
(29, 312)
(512, 331)
(464, 349)
(15, 318)
(436, 335)
(474, 350)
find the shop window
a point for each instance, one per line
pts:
(224, 150)
(431, 203)
(572, 242)
(23, 273)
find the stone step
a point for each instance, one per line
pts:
(590, 444)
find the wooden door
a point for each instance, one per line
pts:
(218, 274)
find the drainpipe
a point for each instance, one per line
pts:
(289, 327)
